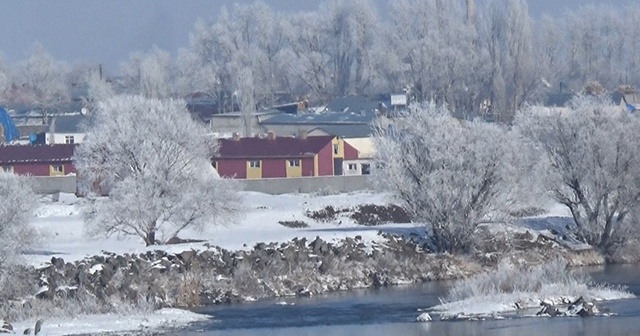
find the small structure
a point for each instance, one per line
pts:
(358, 137)
(278, 157)
(65, 129)
(38, 160)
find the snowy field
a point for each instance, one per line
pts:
(64, 236)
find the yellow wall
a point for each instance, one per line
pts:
(315, 165)
(340, 143)
(52, 171)
(293, 171)
(254, 173)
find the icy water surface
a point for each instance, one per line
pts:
(392, 311)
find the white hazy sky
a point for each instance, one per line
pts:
(108, 31)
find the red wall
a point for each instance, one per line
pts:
(325, 160)
(40, 169)
(307, 167)
(350, 153)
(232, 168)
(274, 168)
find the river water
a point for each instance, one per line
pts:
(392, 311)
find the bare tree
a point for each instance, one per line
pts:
(594, 166)
(451, 174)
(156, 161)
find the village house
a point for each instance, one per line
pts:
(38, 160)
(281, 157)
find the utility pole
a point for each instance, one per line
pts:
(471, 12)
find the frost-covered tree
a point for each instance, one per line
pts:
(17, 202)
(149, 74)
(451, 174)
(98, 89)
(6, 78)
(45, 78)
(594, 166)
(509, 37)
(156, 161)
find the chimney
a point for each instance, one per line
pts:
(271, 135)
(303, 134)
(236, 136)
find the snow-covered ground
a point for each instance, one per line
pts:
(94, 324)
(64, 236)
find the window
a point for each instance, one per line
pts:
(68, 139)
(57, 169)
(336, 149)
(366, 169)
(7, 169)
(254, 163)
(353, 166)
(294, 163)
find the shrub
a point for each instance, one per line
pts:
(372, 214)
(294, 224)
(326, 214)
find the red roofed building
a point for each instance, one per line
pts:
(38, 160)
(273, 157)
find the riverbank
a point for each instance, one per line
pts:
(331, 252)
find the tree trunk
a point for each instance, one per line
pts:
(150, 239)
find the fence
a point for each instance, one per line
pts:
(275, 186)
(323, 184)
(54, 184)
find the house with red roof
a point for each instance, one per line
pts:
(278, 157)
(38, 160)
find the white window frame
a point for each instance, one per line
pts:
(352, 166)
(58, 168)
(69, 139)
(336, 149)
(254, 164)
(294, 163)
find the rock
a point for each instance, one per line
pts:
(548, 309)
(424, 317)
(58, 263)
(6, 328)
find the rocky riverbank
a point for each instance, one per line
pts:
(212, 275)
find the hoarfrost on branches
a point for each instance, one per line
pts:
(155, 161)
(451, 174)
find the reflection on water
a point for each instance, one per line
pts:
(392, 311)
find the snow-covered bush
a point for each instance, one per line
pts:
(509, 278)
(17, 203)
(448, 173)
(515, 287)
(155, 162)
(593, 166)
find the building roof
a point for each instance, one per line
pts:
(355, 104)
(559, 99)
(70, 123)
(10, 154)
(280, 147)
(346, 131)
(322, 118)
